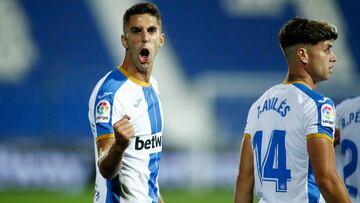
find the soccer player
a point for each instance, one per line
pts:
(126, 118)
(348, 131)
(287, 151)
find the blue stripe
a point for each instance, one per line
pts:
(317, 98)
(313, 189)
(154, 168)
(156, 126)
(113, 190)
(153, 109)
(111, 84)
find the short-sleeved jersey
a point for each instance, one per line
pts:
(347, 154)
(115, 95)
(279, 124)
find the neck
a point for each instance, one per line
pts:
(296, 75)
(138, 73)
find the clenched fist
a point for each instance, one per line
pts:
(123, 131)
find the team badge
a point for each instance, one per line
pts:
(103, 111)
(327, 115)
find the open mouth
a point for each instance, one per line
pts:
(144, 55)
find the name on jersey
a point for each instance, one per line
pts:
(148, 142)
(274, 104)
(327, 115)
(353, 117)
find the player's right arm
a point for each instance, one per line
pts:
(245, 179)
(111, 150)
(322, 157)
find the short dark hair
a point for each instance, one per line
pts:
(305, 31)
(141, 8)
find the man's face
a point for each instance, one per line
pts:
(142, 39)
(321, 60)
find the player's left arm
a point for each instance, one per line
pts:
(245, 179)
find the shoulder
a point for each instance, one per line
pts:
(153, 81)
(314, 96)
(317, 97)
(107, 87)
(270, 91)
(349, 104)
(275, 90)
(349, 101)
(154, 84)
(259, 101)
(112, 81)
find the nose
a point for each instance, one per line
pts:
(333, 59)
(145, 36)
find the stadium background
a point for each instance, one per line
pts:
(219, 56)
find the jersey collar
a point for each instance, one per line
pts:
(132, 78)
(297, 82)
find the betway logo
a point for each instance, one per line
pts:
(150, 143)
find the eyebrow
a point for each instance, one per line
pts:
(329, 45)
(153, 27)
(139, 27)
(135, 28)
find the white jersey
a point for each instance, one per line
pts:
(279, 124)
(348, 122)
(115, 95)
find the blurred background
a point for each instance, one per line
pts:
(219, 56)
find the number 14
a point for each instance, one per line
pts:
(273, 167)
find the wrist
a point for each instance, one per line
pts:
(121, 145)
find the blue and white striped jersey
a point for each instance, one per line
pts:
(117, 94)
(347, 154)
(279, 124)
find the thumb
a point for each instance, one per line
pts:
(121, 121)
(127, 117)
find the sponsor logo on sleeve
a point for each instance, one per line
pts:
(327, 115)
(103, 111)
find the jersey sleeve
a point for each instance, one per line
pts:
(320, 119)
(248, 132)
(107, 111)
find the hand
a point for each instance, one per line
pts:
(123, 131)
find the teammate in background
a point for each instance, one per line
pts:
(348, 133)
(287, 151)
(126, 118)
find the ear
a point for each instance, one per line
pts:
(124, 41)
(162, 39)
(302, 54)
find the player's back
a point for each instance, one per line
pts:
(279, 123)
(348, 122)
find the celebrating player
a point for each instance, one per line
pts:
(126, 118)
(287, 151)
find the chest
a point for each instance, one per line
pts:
(144, 108)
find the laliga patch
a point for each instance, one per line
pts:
(327, 115)
(103, 111)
